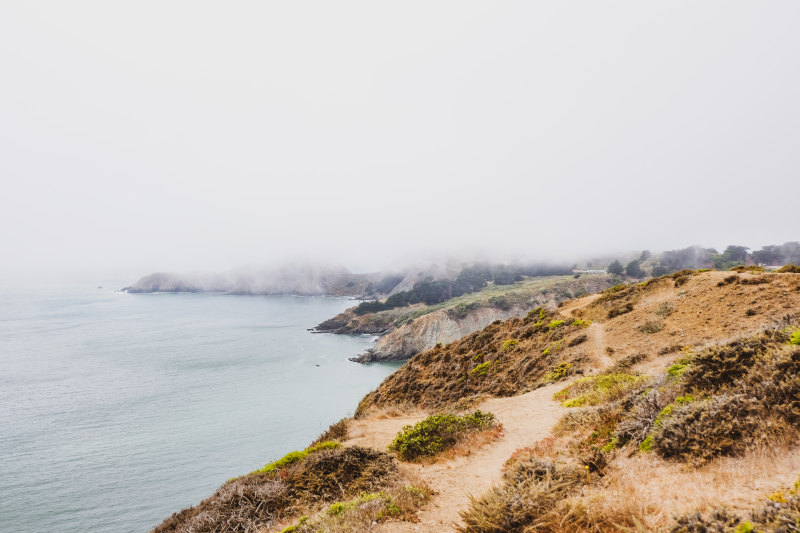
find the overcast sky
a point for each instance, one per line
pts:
(142, 136)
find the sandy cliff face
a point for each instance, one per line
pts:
(428, 330)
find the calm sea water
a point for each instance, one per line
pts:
(117, 410)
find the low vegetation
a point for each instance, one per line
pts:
(602, 388)
(503, 359)
(438, 433)
(262, 499)
(530, 498)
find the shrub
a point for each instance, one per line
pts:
(509, 345)
(651, 326)
(719, 366)
(462, 309)
(699, 431)
(580, 339)
(527, 500)
(602, 388)
(555, 323)
(638, 420)
(336, 431)
(790, 268)
(294, 457)
(627, 308)
(664, 310)
(500, 302)
(558, 372)
(437, 433)
(743, 268)
(481, 369)
(256, 501)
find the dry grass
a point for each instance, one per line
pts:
(652, 491)
(399, 501)
(258, 500)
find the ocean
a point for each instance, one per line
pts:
(118, 409)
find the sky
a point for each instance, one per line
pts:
(184, 136)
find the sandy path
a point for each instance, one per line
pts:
(526, 419)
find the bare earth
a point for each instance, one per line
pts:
(526, 419)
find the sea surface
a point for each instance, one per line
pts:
(118, 409)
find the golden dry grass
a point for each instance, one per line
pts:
(650, 491)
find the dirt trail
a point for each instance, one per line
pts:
(596, 331)
(526, 419)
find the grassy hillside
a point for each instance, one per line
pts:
(527, 293)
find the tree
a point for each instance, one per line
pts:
(634, 270)
(660, 270)
(615, 267)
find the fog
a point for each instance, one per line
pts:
(177, 136)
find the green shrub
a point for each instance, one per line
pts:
(509, 345)
(437, 433)
(790, 268)
(481, 369)
(795, 338)
(296, 456)
(558, 372)
(555, 323)
(602, 388)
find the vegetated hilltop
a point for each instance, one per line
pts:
(638, 320)
(666, 405)
(409, 330)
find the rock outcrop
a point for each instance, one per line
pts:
(426, 331)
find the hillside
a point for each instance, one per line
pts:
(667, 405)
(409, 330)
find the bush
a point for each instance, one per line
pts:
(602, 388)
(664, 310)
(296, 456)
(790, 268)
(558, 372)
(526, 501)
(481, 369)
(336, 431)
(699, 431)
(437, 433)
(651, 326)
(718, 367)
(743, 268)
(627, 308)
(256, 501)
(509, 345)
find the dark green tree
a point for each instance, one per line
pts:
(615, 267)
(634, 270)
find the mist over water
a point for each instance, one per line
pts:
(121, 409)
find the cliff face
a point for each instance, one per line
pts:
(437, 327)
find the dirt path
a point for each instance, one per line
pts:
(526, 419)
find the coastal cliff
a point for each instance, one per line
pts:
(434, 328)
(666, 405)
